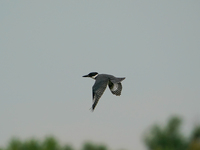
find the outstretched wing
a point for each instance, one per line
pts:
(115, 88)
(98, 89)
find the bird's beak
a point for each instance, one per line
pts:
(86, 76)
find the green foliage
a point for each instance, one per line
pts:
(15, 144)
(90, 146)
(31, 145)
(166, 138)
(169, 137)
(49, 143)
(195, 139)
(67, 147)
(196, 133)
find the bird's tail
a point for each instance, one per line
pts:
(117, 80)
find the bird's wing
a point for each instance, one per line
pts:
(115, 88)
(98, 89)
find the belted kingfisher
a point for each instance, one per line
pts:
(102, 80)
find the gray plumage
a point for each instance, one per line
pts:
(102, 80)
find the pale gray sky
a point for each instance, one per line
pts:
(46, 47)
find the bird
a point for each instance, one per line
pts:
(102, 80)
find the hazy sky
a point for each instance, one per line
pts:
(47, 46)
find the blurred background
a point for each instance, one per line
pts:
(47, 46)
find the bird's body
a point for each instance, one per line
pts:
(102, 80)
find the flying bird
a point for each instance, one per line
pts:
(102, 80)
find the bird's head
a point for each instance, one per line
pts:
(92, 75)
